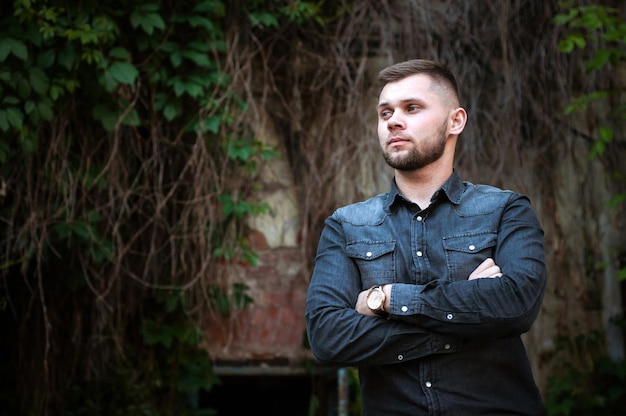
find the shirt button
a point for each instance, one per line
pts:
(404, 309)
(472, 247)
(400, 357)
(419, 254)
(419, 218)
(429, 384)
(368, 254)
(449, 316)
(447, 346)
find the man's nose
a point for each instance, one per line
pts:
(395, 122)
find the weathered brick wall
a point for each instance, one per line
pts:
(272, 329)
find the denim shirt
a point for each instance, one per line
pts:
(451, 346)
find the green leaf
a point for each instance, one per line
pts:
(81, 230)
(107, 118)
(597, 149)
(153, 333)
(15, 117)
(5, 75)
(71, 85)
(572, 40)
(23, 87)
(170, 112)
(29, 142)
(4, 122)
(11, 100)
(215, 7)
(132, 118)
(218, 298)
(101, 251)
(213, 124)
(194, 90)
(181, 87)
(240, 151)
(176, 58)
(45, 59)
(68, 56)
(119, 53)
(18, 48)
(263, 19)
(606, 134)
(123, 72)
(218, 45)
(617, 199)
(240, 294)
(5, 49)
(56, 91)
(30, 106)
(84, 33)
(45, 110)
(199, 58)
(203, 22)
(562, 19)
(38, 80)
(93, 216)
(147, 20)
(199, 46)
(600, 59)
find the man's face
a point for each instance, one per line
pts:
(413, 122)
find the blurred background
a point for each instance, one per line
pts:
(166, 168)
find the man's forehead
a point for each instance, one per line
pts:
(414, 87)
(418, 87)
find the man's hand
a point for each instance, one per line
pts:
(361, 302)
(487, 268)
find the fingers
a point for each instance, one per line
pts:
(491, 272)
(487, 268)
(361, 304)
(486, 264)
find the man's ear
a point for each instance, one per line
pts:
(458, 118)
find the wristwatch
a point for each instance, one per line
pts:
(376, 301)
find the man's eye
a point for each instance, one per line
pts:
(413, 108)
(385, 114)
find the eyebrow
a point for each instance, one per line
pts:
(403, 101)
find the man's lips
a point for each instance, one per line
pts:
(397, 141)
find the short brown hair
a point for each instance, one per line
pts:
(436, 71)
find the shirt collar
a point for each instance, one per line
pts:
(452, 188)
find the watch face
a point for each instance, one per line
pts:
(375, 299)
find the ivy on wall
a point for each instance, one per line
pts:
(126, 173)
(596, 384)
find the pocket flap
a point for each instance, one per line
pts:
(470, 243)
(369, 250)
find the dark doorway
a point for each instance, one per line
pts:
(277, 395)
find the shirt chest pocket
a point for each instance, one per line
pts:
(375, 260)
(465, 252)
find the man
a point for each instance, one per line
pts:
(428, 287)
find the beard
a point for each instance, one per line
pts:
(418, 158)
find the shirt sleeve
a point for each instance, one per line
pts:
(487, 307)
(338, 335)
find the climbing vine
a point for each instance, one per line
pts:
(596, 384)
(127, 170)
